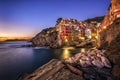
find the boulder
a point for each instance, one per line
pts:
(53, 70)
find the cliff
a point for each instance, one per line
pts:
(110, 41)
(110, 36)
(47, 37)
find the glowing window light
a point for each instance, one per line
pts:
(104, 27)
(96, 37)
(90, 37)
(66, 40)
(83, 38)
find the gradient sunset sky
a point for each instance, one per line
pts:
(23, 18)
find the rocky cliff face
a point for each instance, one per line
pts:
(110, 41)
(47, 37)
(110, 36)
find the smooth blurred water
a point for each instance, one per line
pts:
(16, 59)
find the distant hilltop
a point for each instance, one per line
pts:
(14, 38)
(3, 38)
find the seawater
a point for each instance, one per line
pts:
(16, 59)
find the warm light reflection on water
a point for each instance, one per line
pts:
(66, 52)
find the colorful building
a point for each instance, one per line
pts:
(66, 33)
(112, 14)
(65, 28)
(71, 29)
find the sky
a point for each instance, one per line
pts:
(26, 18)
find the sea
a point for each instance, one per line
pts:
(16, 58)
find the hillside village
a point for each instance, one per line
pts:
(69, 32)
(73, 30)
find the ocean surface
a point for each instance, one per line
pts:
(17, 59)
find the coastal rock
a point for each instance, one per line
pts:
(53, 70)
(94, 65)
(116, 71)
(47, 37)
(112, 47)
(91, 58)
(110, 36)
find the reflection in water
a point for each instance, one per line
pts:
(66, 52)
(70, 48)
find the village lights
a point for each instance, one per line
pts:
(66, 40)
(96, 37)
(104, 27)
(82, 38)
(90, 37)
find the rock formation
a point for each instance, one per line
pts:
(93, 64)
(110, 40)
(47, 37)
(53, 70)
(110, 36)
(90, 58)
